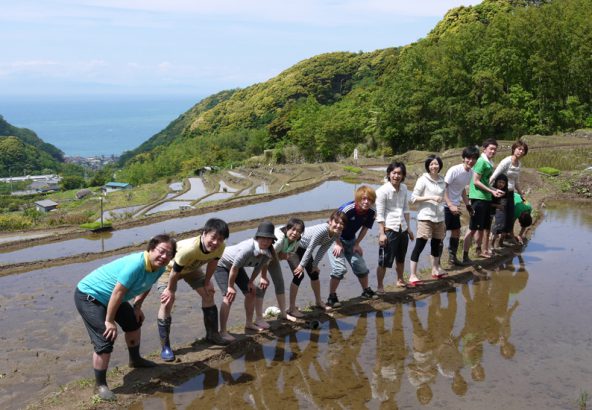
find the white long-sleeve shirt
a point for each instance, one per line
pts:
(429, 210)
(391, 206)
(512, 172)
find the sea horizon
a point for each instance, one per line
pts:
(94, 125)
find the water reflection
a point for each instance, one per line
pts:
(431, 351)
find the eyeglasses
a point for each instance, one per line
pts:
(163, 251)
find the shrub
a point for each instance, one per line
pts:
(14, 222)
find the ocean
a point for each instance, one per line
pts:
(89, 126)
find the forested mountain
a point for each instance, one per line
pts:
(502, 68)
(23, 152)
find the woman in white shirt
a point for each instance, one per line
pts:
(429, 194)
(510, 166)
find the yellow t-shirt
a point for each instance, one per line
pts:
(190, 256)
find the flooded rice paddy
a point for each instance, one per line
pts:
(328, 195)
(518, 337)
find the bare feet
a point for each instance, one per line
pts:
(227, 336)
(400, 284)
(321, 305)
(295, 313)
(288, 316)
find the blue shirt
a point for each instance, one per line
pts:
(129, 270)
(355, 220)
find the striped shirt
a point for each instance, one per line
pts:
(316, 235)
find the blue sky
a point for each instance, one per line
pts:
(192, 47)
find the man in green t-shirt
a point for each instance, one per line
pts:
(481, 194)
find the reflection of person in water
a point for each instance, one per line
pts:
(504, 283)
(391, 352)
(422, 370)
(448, 357)
(477, 318)
(344, 373)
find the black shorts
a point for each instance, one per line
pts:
(481, 219)
(94, 313)
(395, 249)
(452, 221)
(222, 274)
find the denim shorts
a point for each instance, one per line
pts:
(355, 260)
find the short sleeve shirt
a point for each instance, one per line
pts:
(484, 168)
(520, 206)
(132, 271)
(457, 178)
(356, 220)
(191, 256)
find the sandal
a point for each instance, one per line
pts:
(324, 307)
(295, 313)
(380, 292)
(400, 284)
(252, 327)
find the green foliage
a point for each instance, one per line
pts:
(95, 225)
(13, 222)
(23, 153)
(553, 172)
(72, 182)
(353, 170)
(502, 68)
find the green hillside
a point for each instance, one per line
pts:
(503, 68)
(23, 152)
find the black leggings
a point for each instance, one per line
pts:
(296, 280)
(420, 243)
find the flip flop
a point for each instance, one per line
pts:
(399, 284)
(326, 308)
(415, 283)
(485, 255)
(380, 292)
(252, 327)
(295, 313)
(439, 275)
(262, 324)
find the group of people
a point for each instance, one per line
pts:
(115, 292)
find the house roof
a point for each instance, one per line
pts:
(116, 184)
(46, 203)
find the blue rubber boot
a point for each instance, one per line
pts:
(164, 330)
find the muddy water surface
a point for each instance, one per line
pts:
(518, 337)
(328, 195)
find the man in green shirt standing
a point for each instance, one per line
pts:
(481, 194)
